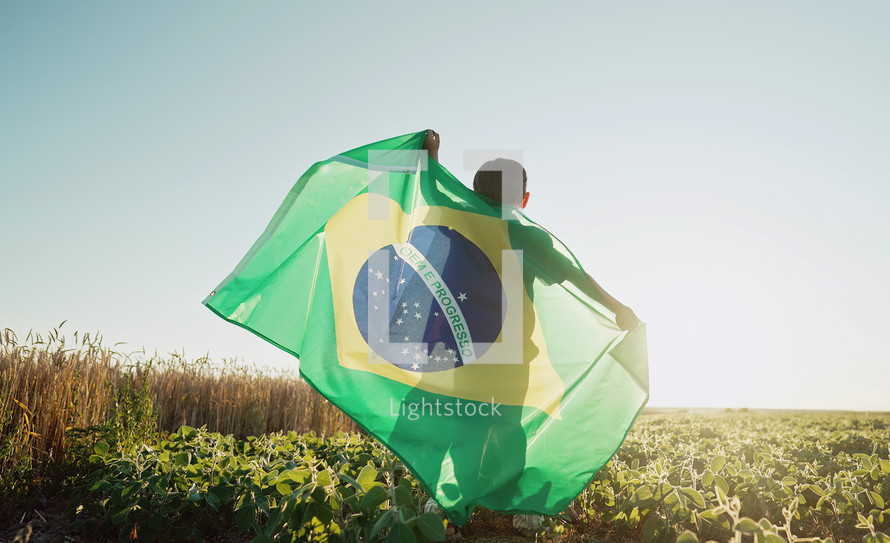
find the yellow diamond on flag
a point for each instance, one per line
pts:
(516, 357)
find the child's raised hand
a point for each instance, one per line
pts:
(431, 144)
(626, 318)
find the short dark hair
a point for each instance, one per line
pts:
(489, 180)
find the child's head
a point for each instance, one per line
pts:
(489, 182)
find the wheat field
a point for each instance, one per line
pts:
(49, 384)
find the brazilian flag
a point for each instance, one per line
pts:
(447, 326)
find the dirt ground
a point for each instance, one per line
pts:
(49, 525)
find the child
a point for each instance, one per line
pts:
(488, 182)
(550, 266)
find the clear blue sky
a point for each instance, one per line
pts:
(720, 167)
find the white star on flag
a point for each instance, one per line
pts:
(417, 315)
(399, 321)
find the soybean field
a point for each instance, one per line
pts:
(678, 477)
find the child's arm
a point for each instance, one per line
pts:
(624, 316)
(431, 144)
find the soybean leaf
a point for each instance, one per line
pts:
(818, 491)
(382, 522)
(130, 489)
(373, 498)
(120, 516)
(367, 477)
(298, 476)
(350, 481)
(245, 516)
(403, 496)
(747, 526)
(212, 500)
(652, 529)
(694, 496)
(401, 533)
(284, 489)
(431, 526)
(707, 478)
(721, 484)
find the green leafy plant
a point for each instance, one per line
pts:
(276, 487)
(698, 477)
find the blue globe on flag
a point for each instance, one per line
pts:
(432, 304)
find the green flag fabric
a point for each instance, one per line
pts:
(447, 326)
